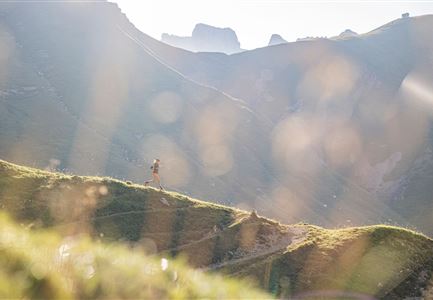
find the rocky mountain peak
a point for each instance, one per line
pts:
(206, 38)
(276, 39)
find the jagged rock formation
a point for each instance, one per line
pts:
(276, 39)
(347, 34)
(311, 38)
(206, 38)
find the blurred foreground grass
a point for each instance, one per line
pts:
(42, 265)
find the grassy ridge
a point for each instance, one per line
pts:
(378, 261)
(108, 208)
(121, 211)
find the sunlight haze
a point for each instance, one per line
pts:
(162, 150)
(254, 21)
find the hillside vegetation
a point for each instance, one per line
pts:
(79, 93)
(336, 126)
(42, 265)
(287, 260)
(383, 262)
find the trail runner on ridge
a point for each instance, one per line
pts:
(155, 174)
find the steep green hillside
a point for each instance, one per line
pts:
(42, 265)
(330, 131)
(302, 260)
(380, 261)
(122, 211)
(78, 93)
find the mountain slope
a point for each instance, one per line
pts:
(381, 261)
(331, 131)
(118, 210)
(345, 117)
(79, 93)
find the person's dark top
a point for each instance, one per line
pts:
(155, 167)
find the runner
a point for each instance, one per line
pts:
(155, 174)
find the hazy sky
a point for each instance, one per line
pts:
(255, 20)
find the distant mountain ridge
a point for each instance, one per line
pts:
(206, 38)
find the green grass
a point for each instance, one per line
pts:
(379, 261)
(42, 265)
(112, 209)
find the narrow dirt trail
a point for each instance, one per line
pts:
(299, 236)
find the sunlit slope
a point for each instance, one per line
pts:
(79, 93)
(381, 261)
(121, 211)
(348, 119)
(315, 135)
(376, 261)
(43, 265)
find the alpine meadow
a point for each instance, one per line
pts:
(312, 159)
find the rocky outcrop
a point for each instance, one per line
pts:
(347, 33)
(276, 39)
(206, 38)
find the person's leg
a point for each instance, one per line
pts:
(157, 179)
(146, 183)
(154, 179)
